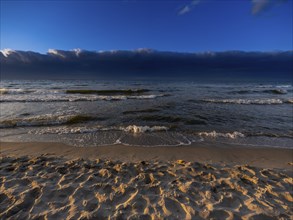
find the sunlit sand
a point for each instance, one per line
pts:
(77, 184)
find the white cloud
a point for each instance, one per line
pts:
(144, 50)
(7, 52)
(54, 52)
(195, 2)
(187, 8)
(259, 6)
(184, 10)
(77, 51)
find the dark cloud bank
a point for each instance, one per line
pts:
(143, 63)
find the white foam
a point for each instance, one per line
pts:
(284, 86)
(78, 130)
(215, 134)
(65, 130)
(27, 92)
(246, 101)
(146, 96)
(142, 129)
(70, 98)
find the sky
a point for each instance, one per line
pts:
(178, 25)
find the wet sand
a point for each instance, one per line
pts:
(56, 181)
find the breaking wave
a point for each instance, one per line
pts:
(142, 129)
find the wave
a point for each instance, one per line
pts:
(142, 129)
(284, 86)
(236, 134)
(270, 91)
(14, 92)
(131, 135)
(74, 98)
(46, 120)
(276, 91)
(272, 135)
(172, 119)
(134, 129)
(249, 101)
(151, 110)
(147, 96)
(275, 86)
(66, 130)
(109, 92)
(215, 134)
(5, 91)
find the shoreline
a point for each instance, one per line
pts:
(204, 153)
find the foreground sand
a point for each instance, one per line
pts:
(62, 186)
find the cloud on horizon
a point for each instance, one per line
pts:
(145, 63)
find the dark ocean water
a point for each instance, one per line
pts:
(148, 113)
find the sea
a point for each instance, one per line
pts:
(148, 113)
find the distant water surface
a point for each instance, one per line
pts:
(148, 113)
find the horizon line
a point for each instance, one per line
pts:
(51, 50)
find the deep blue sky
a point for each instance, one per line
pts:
(187, 26)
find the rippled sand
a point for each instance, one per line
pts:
(47, 187)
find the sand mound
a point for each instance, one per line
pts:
(55, 188)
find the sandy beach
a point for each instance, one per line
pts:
(57, 181)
